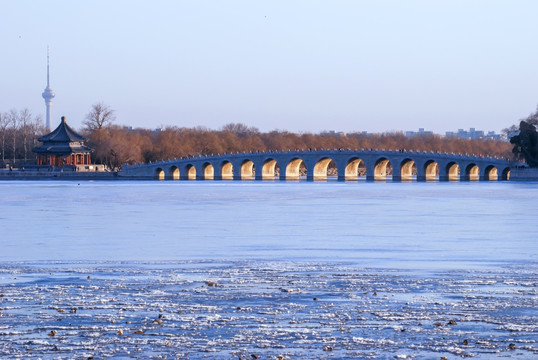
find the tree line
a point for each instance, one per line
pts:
(116, 145)
(19, 131)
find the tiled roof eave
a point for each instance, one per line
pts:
(62, 150)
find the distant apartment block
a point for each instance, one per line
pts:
(420, 131)
(474, 134)
(471, 134)
(492, 136)
(334, 133)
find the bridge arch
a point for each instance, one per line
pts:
(208, 171)
(491, 173)
(452, 171)
(226, 170)
(505, 175)
(269, 169)
(295, 168)
(321, 168)
(247, 170)
(431, 170)
(408, 168)
(173, 173)
(190, 172)
(382, 169)
(355, 168)
(158, 174)
(472, 172)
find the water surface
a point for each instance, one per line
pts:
(381, 224)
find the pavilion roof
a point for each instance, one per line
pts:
(62, 141)
(63, 134)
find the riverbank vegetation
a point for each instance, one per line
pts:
(116, 145)
(19, 131)
(526, 141)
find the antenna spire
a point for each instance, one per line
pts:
(48, 82)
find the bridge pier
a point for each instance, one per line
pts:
(421, 178)
(258, 170)
(310, 173)
(370, 170)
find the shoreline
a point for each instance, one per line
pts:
(56, 175)
(516, 175)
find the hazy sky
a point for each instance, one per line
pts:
(302, 66)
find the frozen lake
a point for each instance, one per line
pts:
(268, 269)
(374, 224)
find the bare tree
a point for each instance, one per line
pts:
(4, 124)
(36, 128)
(100, 116)
(510, 130)
(240, 130)
(514, 129)
(13, 120)
(25, 124)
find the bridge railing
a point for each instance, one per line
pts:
(312, 150)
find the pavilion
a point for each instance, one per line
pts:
(63, 147)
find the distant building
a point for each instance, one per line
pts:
(492, 136)
(473, 134)
(334, 133)
(63, 147)
(420, 131)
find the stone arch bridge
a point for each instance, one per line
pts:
(345, 165)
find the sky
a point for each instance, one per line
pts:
(301, 66)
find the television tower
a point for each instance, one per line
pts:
(48, 95)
